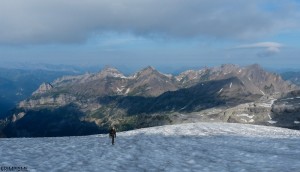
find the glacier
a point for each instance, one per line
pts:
(182, 147)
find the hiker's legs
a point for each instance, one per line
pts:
(113, 140)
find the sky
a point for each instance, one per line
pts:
(161, 33)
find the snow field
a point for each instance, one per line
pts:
(184, 147)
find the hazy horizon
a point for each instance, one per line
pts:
(128, 70)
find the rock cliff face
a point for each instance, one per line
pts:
(227, 93)
(286, 110)
(18, 116)
(256, 112)
(45, 87)
(49, 101)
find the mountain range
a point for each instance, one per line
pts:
(92, 102)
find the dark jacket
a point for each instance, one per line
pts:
(112, 133)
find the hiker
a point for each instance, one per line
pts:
(112, 135)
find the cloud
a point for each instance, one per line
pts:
(265, 48)
(269, 46)
(75, 21)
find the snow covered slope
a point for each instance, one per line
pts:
(185, 147)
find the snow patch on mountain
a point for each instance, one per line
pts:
(220, 90)
(120, 90)
(127, 91)
(245, 115)
(267, 104)
(269, 116)
(166, 75)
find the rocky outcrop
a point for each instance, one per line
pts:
(44, 102)
(18, 116)
(110, 72)
(45, 87)
(286, 110)
(151, 83)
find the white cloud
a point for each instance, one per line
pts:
(268, 48)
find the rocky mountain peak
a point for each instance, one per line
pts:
(110, 72)
(43, 88)
(147, 71)
(190, 75)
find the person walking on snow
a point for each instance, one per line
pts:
(112, 135)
